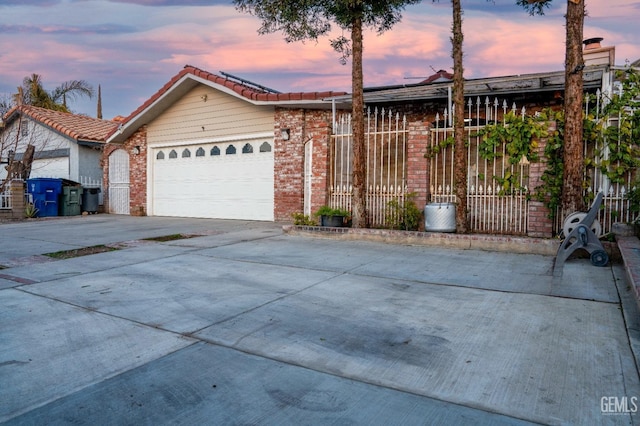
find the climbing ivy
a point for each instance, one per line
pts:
(519, 135)
(438, 147)
(550, 192)
(614, 133)
(619, 143)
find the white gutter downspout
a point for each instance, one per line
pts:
(333, 115)
(450, 107)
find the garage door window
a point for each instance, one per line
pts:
(265, 147)
(231, 150)
(160, 156)
(247, 149)
(200, 152)
(173, 154)
(215, 151)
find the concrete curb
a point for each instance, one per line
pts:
(630, 252)
(498, 243)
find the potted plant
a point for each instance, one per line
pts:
(335, 217)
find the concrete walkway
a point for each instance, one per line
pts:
(244, 324)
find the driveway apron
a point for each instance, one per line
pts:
(240, 324)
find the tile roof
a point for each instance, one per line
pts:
(253, 94)
(77, 127)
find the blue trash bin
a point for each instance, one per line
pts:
(45, 192)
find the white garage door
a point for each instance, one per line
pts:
(227, 181)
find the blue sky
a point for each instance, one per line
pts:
(132, 48)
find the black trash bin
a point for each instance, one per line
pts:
(90, 200)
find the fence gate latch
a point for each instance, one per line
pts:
(582, 236)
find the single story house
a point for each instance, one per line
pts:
(213, 146)
(216, 146)
(67, 146)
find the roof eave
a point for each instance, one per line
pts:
(490, 86)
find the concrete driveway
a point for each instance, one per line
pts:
(243, 324)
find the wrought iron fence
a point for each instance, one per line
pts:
(386, 147)
(493, 207)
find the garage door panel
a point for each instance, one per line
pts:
(236, 186)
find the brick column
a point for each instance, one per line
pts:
(305, 126)
(540, 225)
(17, 198)
(417, 165)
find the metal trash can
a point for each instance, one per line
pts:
(440, 217)
(70, 200)
(45, 193)
(91, 200)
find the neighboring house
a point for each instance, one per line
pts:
(218, 147)
(67, 146)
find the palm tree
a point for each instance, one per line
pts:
(33, 93)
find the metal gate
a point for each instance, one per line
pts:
(119, 182)
(386, 147)
(493, 207)
(308, 176)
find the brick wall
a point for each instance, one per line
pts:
(304, 126)
(137, 171)
(417, 165)
(539, 223)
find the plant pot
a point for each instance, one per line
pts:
(334, 221)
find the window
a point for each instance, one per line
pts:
(173, 154)
(247, 149)
(215, 151)
(186, 153)
(200, 152)
(230, 150)
(265, 147)
(160, 155)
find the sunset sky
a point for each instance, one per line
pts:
(133, 47)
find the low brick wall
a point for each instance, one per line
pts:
(500, 243)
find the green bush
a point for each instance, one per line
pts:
(329, 211)
(404, 216)
(302, 219)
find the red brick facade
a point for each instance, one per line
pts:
(314, 127)
(137, 171)
(305, 126)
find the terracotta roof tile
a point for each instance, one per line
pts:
(246, 91)
(78, 127)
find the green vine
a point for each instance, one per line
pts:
(616, 146)
(440, 146)
(619, 142)
(613, 138)
(519, 136)
(550, 192)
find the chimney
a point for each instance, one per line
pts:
(594, 54)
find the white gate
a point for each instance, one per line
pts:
(386, 149)
(308, 176)
(119, 182)
(492, 206)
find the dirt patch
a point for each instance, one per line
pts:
(171, 237)
(85, 251)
